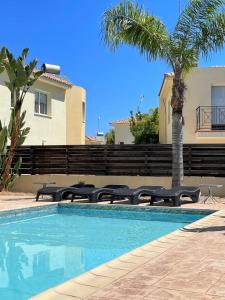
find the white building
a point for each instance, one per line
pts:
(55, 111)
(122, 132)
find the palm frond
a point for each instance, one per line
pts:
(202, 26)
(128, 23)
(211, 37)
(186, 57)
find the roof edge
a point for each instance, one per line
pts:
(122, 121)
(166, 75)
(56, 79)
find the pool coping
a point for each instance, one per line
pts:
(94, 280)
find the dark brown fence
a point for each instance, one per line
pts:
(148, 160)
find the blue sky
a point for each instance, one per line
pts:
(68, 33)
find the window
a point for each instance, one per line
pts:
(217, 108)
(41, 103)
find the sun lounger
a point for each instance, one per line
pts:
(59, 193)
(117, 192)
(175, 194)
(95, 195)
(134, 194)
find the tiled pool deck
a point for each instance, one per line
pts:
(186, 264)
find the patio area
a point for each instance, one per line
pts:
(186, 264)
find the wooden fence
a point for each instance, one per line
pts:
(143, 160)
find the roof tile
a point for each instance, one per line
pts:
(57, 78)
(122, 121)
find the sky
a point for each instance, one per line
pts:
(68, 33)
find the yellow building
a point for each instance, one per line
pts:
(204, 106)
(55, 111)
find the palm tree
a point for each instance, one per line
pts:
(199, 31)
(21, 77)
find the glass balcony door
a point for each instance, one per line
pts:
(218, 108)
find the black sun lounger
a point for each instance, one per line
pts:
(59, 193)
(94, 195)
(175, 194)
(134, 194)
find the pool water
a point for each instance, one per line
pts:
(40, 249)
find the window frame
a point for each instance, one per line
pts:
(48, 108)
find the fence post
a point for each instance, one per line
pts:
(105, 159)
(31, 160)
(67, 160)
(189, 159)
(147, 162)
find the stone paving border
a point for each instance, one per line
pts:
(87, 284)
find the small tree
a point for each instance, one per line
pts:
(110, 136)
(144, 127)
(21, 77)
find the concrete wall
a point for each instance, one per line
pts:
(198, 93)
(76, 115)
(27, 183)
(123, 134)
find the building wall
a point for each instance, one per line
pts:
(198, 93)
(123, 134)
(76, 115)
(165, 115)
(51, 128)
(28, 183)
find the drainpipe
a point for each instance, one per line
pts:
(164, 103)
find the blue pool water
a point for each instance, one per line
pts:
(42, 248)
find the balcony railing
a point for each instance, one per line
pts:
(210, 118)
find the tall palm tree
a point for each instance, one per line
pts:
(200, 29)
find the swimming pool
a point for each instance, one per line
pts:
(44, 246)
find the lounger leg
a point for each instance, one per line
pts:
(176, 201)
(37, 196)
(166, 200)
(132, 200)
(152, 200)
(112, 199)
(72, 198)
(57, 197)
(136, 199)
(93, 198)
(195, 197)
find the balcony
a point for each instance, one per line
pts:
(210, 118)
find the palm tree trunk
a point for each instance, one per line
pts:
(177, 150)
(7, 167)
(177, 129)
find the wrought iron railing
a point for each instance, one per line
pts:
(210, 118)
